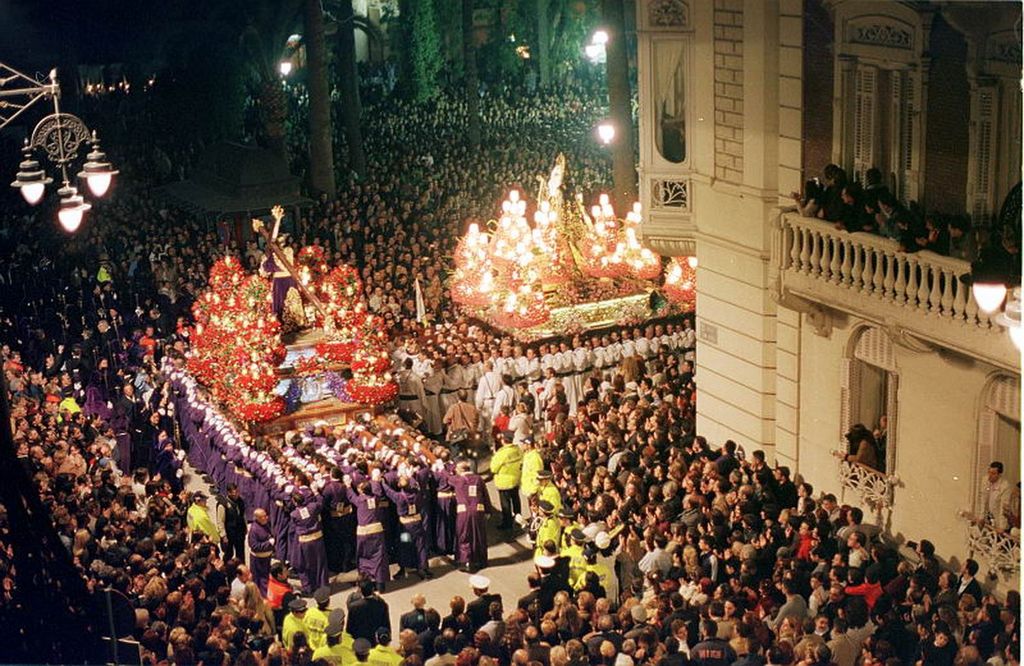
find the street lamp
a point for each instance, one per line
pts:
(59, 136)
(606, 132)
(595, 50)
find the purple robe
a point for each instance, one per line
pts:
(471, 509)
(311, 558)
(279, 286)
(339, 526)
(412, 540)
(261, 549)
(371, 547)
(444, 519)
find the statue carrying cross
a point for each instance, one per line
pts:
(287, 289)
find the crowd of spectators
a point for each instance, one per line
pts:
(871, 207)
(717, 557)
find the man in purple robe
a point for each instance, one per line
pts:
(339, 524)
(311, 558)
(472, 506)
(261, 549)
(371, 548)
(412, 540)
(444, 518)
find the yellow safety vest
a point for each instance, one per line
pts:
(199, 519)
(316, 624)
(507, 466)
(576, 562)
(532, 463)
(381, 655)
(549, 530)
(602, 571)
(339, 654)
(291, 626)
(550, 493)
(566, 532)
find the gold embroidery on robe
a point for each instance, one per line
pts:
(294, 316)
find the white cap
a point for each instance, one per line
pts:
(602, 540)
(478, 582)
(544, 561)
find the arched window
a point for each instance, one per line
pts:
(869, 389)
(879, 90)
(998, 433)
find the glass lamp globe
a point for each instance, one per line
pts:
(97, 171)
(72, 209)
(30, 179)
(988, 295)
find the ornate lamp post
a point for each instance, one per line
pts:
(59, 136)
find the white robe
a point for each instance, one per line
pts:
(432, 384)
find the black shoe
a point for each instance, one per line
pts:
(426, 573)
(382, 587)
(401, 573)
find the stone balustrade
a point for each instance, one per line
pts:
(916, 294)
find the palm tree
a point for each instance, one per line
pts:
(617, 64)
(267, 25)
(348, 77)
(321, 147)
(471, 78)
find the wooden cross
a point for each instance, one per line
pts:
(282, 260)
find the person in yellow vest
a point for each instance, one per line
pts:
(549, 529)
(547, 490)
(533, 462)
(294, 622)
(338, 647)
(199, 520)
(382, 654)
(595, 567)
(316, 619)
(567, 521)
(507, 467)
(574, 551)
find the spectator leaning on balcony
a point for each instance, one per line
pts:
(832, 201)
(862, 447)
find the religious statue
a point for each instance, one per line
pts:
(286, 299)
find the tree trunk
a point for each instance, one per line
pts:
(544, 42)
(617, 68)
(471, 78)
(351, 108)
(321, 147)
(275, 112)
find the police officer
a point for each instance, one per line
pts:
(294, 622)
(547, 490)
(316, 618)
(337, 649)
(549, 529)
(507, 468)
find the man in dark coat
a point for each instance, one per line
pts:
(368, 613)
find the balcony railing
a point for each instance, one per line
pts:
(874, 488)
(1000, 550)
(920, 293)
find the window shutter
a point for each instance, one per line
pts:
(849, 394)
(905, 153)
(864, 121)
(892, 409)
(986, 442)
(983, 110)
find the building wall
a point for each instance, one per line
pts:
(817, 95)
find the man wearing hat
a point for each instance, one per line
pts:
(472, 504)
(337, 649)
(574, 551)
(261, 548)
(533, 462)
(361, 649)
(199, 521)
(507, 467)
(478, 610)
(549, 529)
(547, 490)
(294, 622)
(316, 618)
(567, 521)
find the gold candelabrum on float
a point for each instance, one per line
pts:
(568, 270)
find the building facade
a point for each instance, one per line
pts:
(805, 330)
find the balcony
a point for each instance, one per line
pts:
(999, 550)
(918, 298)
